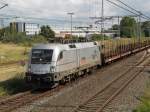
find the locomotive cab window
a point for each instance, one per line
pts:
(41, 56)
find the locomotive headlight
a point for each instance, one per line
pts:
(52, 69)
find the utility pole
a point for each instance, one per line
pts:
(119, 33)
(2, 21)
(140, 14)
(102, 21)
(71, 15)
(137, 27)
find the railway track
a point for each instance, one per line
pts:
(11, 104)
(100, 100)
(25, 98)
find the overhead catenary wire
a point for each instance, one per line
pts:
(122, 7)
(126, 9)
(89, 4)
(95, 7)
(42, 19)
(133, 11)
(3, 5)
(2, 1)
(46, 19)
(128, 6)
(140, 13)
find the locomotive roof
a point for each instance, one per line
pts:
(65, 46)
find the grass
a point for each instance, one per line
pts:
(12, 80)
(13, 86)
(12, 77)
(10, 72)
(12, 52)
(145, 101)
(145, 106)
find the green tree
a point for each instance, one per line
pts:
(2, 33)
(47, 32)
(128, 27)
(97, 37)
(146, 28)
(115, 27)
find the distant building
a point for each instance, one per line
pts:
(28, 28)
(32, 28)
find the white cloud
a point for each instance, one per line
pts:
(59, 8)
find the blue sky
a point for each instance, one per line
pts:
(57, 9)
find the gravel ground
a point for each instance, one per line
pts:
(127, 100)
(78, 92)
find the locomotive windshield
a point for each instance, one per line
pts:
(41, 56)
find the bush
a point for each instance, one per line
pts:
(97, 37)
(38, 39)
(21, 38)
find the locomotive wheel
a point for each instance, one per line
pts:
(55, 85)
(62, 82)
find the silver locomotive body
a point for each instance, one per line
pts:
(54, 63)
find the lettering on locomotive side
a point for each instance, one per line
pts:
(83, 61)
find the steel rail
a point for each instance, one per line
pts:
(100, 100)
